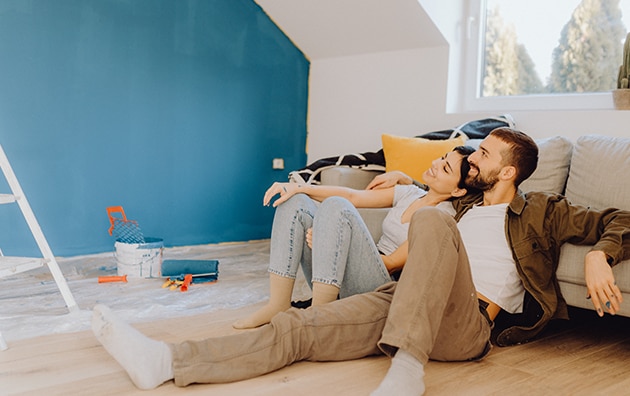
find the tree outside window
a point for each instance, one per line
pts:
(586, 56)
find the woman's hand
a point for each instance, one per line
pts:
(285, 190)
(309, 237)
(397, 259)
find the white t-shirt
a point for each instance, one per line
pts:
(394, 231)
(493, 268)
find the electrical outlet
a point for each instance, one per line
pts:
(278, 163)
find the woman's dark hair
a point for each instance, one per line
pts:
(464, 151)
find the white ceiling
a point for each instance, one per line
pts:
(333, 28)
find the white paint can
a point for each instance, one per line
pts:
(140, 260)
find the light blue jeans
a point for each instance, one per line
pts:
(344, 253)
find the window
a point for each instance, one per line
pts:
(543, 54)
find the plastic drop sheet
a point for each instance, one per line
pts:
(31, 305)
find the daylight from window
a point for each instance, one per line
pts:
(553, 46)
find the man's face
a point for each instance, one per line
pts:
(486, 164)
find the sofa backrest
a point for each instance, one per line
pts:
(599, 175)
(554, 159)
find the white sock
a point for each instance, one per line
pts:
(148, 362)
(405, 377)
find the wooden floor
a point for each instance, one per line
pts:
(586, 356)
(589, 356)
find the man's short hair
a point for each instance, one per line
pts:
(522, 153)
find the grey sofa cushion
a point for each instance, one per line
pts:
(599, 172)
(554, 158)
(348, 177)
(373, 218)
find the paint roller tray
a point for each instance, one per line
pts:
(201, 270)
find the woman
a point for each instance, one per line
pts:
(332, 243)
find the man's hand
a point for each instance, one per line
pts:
(600, 282)
(389, 179)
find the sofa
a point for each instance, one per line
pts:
(592, 171)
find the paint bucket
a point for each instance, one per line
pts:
(140, 260)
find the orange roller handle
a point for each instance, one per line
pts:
(114, 209)
(109, 279)
(187, 282)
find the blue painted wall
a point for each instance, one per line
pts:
(173, 109)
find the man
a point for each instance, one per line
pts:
(444, 303)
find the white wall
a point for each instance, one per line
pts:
(450, 19)
(333, 28)
(353, 100)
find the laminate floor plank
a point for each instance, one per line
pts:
(584, 356)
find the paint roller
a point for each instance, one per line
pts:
(201, 270)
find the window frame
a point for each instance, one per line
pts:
(471, 72)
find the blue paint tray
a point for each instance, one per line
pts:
(201, 270)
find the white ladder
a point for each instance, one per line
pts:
(15, 265)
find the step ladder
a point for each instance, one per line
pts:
(14, 265)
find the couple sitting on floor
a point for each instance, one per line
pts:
(493, 250)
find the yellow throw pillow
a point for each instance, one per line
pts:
(412, 155)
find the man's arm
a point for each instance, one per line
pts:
(607, 230)
(390, 179)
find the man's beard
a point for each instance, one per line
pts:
(481, 182)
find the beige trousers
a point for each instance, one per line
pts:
(432, 313)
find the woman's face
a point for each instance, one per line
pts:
(444, 174)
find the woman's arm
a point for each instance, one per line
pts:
(397, 259)
(359, 198)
